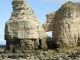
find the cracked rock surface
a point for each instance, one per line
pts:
(23, 30)
(65, 25)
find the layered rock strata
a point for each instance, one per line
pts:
(48, 26)
(66, 25)
(23, 30)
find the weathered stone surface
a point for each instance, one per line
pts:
(22, 35)
(48, 26)
(70, 54)
(66, 28)
(23, 30)
(66, 25)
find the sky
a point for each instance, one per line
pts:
(40, 8)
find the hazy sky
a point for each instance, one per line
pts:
(40, 8)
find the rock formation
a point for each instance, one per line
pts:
(48, 26)
(23, 30)
(65, 25)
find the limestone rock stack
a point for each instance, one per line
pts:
(66, 28)
(23, 30)
(65, 25)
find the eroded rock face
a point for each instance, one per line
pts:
(23, 30)
(48, 26)
(66, 26)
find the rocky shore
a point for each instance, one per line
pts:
(26, 38)
(57, 54)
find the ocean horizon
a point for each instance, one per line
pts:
(2, 44)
